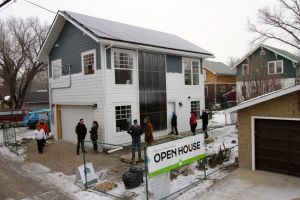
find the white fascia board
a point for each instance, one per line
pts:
(79, 26)
(120, 44)
(210, 70)
(245, 56)
(263, 98)
(295, 61)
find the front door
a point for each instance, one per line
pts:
(171, 109)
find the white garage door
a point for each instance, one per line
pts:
(70, 116)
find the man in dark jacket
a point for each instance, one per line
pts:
(135, 131)
(81, 133)
(204, 118)
(174, 123)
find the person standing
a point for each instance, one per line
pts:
(135, 131)
(39, 136)
(148, 131)
(94, 135)
(43, 126)
(193, 122)
(174, 123)
(204, 118)
(81, 133)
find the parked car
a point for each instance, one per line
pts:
(12, 116)
(32, 118)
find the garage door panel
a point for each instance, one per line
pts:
(277, 146)
(70, 116)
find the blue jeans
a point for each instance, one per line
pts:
(136, 144)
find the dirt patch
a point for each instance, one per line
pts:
(61, 157)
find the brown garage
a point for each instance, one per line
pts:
(269, 132)
(277, 146)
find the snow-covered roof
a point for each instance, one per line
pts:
(218, 68)
(263, 98)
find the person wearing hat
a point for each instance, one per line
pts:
(135, 131)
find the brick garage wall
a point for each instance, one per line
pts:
(287, 106)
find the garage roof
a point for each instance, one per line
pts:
(263, 98)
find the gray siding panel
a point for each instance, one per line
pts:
(174, 64)
(71, 43)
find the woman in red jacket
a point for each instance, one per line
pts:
(193, 122)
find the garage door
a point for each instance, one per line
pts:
(277, 146)
(70, 116)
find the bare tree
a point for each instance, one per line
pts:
(232, 61)
(281, 23)
(20, 42)
(258, 80)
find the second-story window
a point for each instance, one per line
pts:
(56, 69)
(275, 67)
(88, 60)
(123, 64)
(245, 68)
(191, 72)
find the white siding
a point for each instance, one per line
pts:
(85, 90)
(177, 92)
(117, 95)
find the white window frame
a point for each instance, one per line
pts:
(93, 51)
(60, 68)
(275, 66)
(243, 69)
(120, 105)
(197, 100)
(222, 88)
(190, 61)
(133, 54)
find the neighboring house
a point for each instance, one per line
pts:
(219, 81)
(269, 131)
(119, 73)
(35, 101)
(266, 69)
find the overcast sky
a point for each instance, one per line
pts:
(218, 26)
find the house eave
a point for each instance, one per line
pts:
(263, 98)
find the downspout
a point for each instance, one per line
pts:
(54, 88)
(105, 94)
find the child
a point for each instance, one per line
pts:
(39, 136)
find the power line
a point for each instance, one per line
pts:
(40, 6)
(4, 2)
(3, 8)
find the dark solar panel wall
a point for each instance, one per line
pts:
(152, 89)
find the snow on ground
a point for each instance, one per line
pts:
(226, 135)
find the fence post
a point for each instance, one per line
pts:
(16, 145)
(205, 168)
(86, 184)
(146, 170)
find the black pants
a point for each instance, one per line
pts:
(80, 142)
(204, 128)
(193, 128)
(40, 145)
(174, 127)
(95, 146)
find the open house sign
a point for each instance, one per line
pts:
(171, 155)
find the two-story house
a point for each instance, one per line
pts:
(266, 69)
(219, 81)
(114, 73)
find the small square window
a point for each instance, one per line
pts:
(279, 67)
(56, 69)
(222, 88)
(123, 63)
(271, 68)
(245, 68)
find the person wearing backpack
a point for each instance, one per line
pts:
(135, 131)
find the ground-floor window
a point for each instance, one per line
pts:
(123, 118)
(195, 107)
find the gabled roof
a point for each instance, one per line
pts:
(281, 52)
(263, 98)
(219, 68)
(104, 29)
(37, 97)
